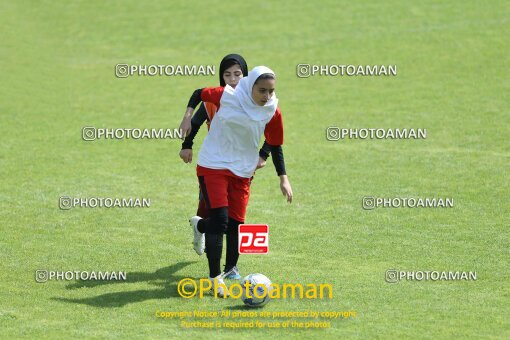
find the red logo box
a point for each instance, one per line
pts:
(253, 239)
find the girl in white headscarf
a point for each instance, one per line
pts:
(229, 157)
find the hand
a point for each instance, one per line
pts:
(286, 188)
(186, 155)
(261, 163)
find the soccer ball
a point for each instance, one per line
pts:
(256, 296)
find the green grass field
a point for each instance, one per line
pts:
(57, 75)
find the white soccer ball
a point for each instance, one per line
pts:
(258, 291)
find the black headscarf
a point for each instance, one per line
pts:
(228, 61)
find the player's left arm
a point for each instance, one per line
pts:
(274, 137)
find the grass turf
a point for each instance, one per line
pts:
(57, 63)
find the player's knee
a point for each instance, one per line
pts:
(219, 220)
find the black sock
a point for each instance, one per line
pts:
(214, 228)
(214, 246)
(232, 244)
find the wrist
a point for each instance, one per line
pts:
(189, 113)
(263, 155)
(187, 145)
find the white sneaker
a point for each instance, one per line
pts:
(198, 237)
(220, 288)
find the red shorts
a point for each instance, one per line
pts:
(222, 188)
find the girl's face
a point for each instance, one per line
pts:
(232, 75)
(262, 91)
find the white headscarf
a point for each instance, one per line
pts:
(241, 96)
(233, 140)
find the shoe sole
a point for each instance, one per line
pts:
(198, 253)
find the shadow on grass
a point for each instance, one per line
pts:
(164, 277)
(242, 306)
(166, 273)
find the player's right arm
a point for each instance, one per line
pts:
(212, 95)
(194, 100)
(196, 121)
